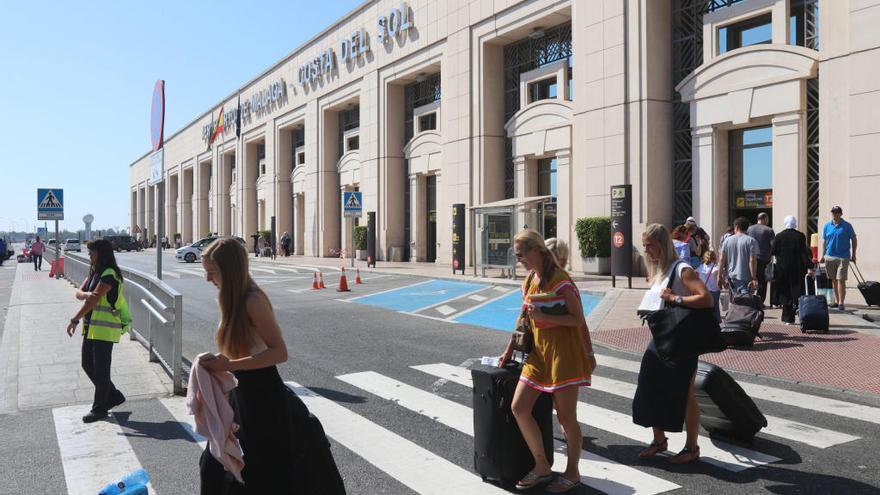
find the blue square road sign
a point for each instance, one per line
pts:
(50, 204)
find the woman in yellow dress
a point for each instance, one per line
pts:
(557, 365)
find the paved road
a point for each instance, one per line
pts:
(392, 390)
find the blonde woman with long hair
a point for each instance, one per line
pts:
(250, 345)
(556, 366)
(665, 398)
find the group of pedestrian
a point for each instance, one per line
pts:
(250, 343)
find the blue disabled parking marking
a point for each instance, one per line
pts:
(419, 296)
(501, 313)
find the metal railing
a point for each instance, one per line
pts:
(156, 313)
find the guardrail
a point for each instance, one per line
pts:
(156, 313)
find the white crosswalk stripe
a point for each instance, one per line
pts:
(615, 479)
(776, 426)
(93, 454)
(415, 467)
(772, 394)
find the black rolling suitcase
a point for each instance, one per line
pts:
(500, 452)
(742, 323)
(813, 309)
(725, 408)
(870, 290)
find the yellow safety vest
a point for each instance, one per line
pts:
(108, 322)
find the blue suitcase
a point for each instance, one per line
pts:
(813, 310)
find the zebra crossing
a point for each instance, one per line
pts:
(368, 439)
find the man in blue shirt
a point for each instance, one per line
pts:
(837, 235)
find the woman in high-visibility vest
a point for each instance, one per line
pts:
(105, 318)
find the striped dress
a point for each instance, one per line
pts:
(557, 360)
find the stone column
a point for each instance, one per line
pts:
(416, 219)
(172, 193)
(703, 181)
(186, 207)
(444, 222)
(789, 168)
(564, 220)
(520, 190)
(201, 195)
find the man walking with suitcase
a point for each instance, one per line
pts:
(837, 235)
(762, 233)
(738, 266)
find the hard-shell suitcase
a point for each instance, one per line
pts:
(500, 452)
(870, 289)
(725, 408)
(813, 310)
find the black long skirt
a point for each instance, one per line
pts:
(661, 394)
(263, 410)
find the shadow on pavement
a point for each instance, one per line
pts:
(338, 396)
(166, 430)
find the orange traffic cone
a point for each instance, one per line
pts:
(321, 283)
(343, 283)
(357, 278)
(52, 269)
(315, 281)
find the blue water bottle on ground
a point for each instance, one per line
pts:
(134, 482)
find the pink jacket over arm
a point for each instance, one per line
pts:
(208, 400)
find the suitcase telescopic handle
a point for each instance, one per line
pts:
(859, 278)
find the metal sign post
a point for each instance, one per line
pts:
(352, 207)
(50, 206)
(621, 233)
(157, 174)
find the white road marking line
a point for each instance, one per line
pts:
(607, 476)
(177, 407)
(503, 289)
(94, 454)
(429, 317)
(264, 270)
(507, 292)
(191, 271)
(445, 310)
(481, 289)
(772, 394)
(779, 427)
(417, 468)
(318, 268)
(392, 290)
(170, 273)
(478, 298)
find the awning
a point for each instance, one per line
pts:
(511, 204)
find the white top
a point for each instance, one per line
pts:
(652, 301)
(709, 275)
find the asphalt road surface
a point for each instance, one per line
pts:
(392, 389)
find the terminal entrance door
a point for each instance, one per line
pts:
(750, 165)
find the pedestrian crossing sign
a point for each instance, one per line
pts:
(50, 204)
(352, 204)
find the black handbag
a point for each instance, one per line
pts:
(523, 339)
(681, 332)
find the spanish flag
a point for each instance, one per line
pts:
(218, 127)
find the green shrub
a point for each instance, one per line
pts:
(360, 237)
(266, 235)
(594, 236)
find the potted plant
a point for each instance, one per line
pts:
(360, 242)
(594, 240)
(177, 239)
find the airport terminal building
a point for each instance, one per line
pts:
(527, 112)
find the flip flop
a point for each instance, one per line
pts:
(562, 485)
(532, 480)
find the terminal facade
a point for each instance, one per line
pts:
(527, 112)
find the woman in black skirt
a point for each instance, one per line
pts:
(665, 397)
(250, 344)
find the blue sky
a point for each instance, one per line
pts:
(77, 80)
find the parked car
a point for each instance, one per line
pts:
(123, 243)
(193, 252)
(51, 243)
(72, 245)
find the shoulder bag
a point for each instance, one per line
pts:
(523, 339)
(770, 270)
(681, 332)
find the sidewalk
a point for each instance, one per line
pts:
(40, 364)
(846, 359)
